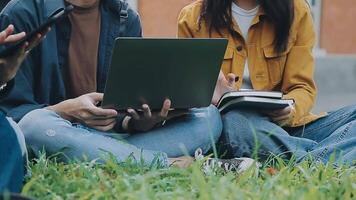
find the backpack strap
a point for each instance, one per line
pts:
(124, 15)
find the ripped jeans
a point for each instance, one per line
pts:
(46, 130)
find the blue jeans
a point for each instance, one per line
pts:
(201, 128)
(12, 155)
(246, 132)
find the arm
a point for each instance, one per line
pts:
(9, 66)
(134, 28)
(298, 83)
(21, 99)
(184, 29)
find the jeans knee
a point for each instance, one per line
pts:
(207, 127)
(36, 122)
(234, 123)
(213, 123)
(237, 132)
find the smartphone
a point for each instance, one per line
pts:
(13, 48)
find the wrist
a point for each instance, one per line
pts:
(61, 111)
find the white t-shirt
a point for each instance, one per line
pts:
(244, 19)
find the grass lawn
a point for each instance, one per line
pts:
(52, 180)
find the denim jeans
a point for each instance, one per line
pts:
(46, 130)
(248, 132)
(12, 155)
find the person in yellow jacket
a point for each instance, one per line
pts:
(270, 48)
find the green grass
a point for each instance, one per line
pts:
(52, 180)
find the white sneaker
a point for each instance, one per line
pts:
(238, 165)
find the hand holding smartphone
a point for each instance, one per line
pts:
(41, 30)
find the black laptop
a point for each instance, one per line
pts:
(147, 71)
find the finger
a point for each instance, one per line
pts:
(15, 38)
(22, 52)
(273, 113)
(146, 111)
(165, 108)
(4, 34)
(46, 31)
(231, 78)
(280, 118)
(280, 112)
(286, 111)
(34, 42)
(104, 113)
(100, 122)
(96, 97)
(133, 114)
(105, 128)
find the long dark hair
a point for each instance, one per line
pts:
(217, 14)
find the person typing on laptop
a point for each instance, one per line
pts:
(60, 85)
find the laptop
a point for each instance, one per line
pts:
(148, 71)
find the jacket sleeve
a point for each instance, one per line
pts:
(184, 28)
(134, 28)
(21, 99)
(298, 79)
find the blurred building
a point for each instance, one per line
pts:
(334, 21)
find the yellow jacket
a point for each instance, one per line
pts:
(290, 72)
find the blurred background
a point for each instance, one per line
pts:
(335, 50)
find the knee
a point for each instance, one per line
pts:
(36, 122)
(234, 122)
(213, 124)
(237, 128)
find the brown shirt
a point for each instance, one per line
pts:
(82, 63)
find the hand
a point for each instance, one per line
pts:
(147, 120)
(84, 110)
(283, 116)
(223, 86)
(9, 66)
(7, 37)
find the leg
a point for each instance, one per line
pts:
(201, 128)
(246, 132)
(11, 163)
(46, 130)
(335, 133)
